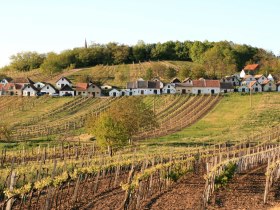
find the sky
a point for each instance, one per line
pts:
(57, 25)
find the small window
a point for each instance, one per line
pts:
(48, 87)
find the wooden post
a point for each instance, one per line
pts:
(12, 183)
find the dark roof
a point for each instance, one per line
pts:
(32, 86)
(66, 88)
(226, 85)
(143, 84)
(186, 79)
(175, 80)
(65, 79)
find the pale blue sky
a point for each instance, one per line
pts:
(56, 25)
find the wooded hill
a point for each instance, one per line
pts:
(211, 59)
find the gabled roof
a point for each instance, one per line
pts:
(7, 79)
(175, 80)
(251, 67)
(66, 88)
(49, 84)
(32, 86)
(94, 86)
(143, 84)
(206, 83)
(81, 86)
(65, 79)
(266, 82)
(226, 85)
(186, 79)
(259, 76)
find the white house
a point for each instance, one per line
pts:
(141, 87)
(244, 88)
(88, 89)
(183, 88)
(63, 81)
(65, 90)
(39, 85)
(158, 80)
(254, 86)
(231, 79)
(260, 78)
(49, 89)
(29, 90)
(268, 86)
(270, 77)
(248, 79)
(169, 89)
(203, 86)
(226, 87)
(114, 93)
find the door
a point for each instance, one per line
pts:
(198, 92)
(184, 91)
(212, 91)
(225, 91)
(155, 91)
(168, 91)
(142, 92)
(93, 94)
(256, 89)
(28, 93)
(114, 94)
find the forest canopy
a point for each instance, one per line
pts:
(217, 58)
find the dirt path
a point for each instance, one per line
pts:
(186, 194)
(245, 191)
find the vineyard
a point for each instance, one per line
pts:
(45, 116)
(79, 177)
(192, 160)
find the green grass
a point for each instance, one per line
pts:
(231, 120)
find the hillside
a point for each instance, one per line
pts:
(116, 75)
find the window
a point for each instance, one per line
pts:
(168, 86)
(48, 87)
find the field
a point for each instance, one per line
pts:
(209, 152)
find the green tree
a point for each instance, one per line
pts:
(185, 72)
(26, 61)
(117, 126)
(109, 132)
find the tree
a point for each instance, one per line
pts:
(26, 61)
(109, 131)
(185, 72)
(117, 126)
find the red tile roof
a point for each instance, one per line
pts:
(81, 86)
(251, 67)
(266, 82)
(206, 83)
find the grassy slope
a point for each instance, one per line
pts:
(116, 75)
(232, 119)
